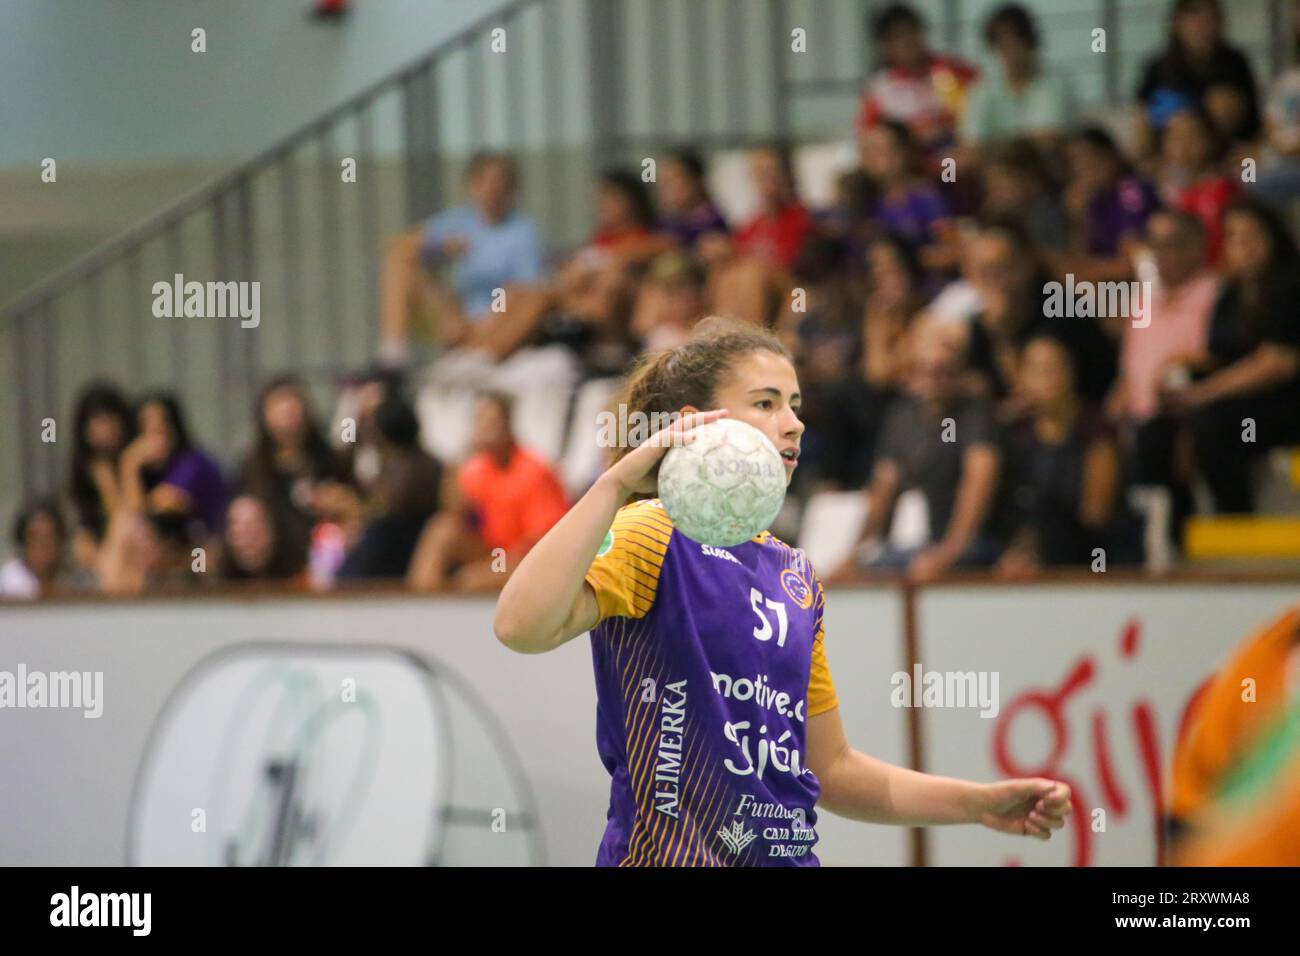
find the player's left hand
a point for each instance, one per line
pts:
(1034, 806)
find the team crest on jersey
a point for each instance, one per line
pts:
(607, 543)
(797, 588)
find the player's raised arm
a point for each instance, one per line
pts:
(546, 601)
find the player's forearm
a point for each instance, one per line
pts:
(538, 597)
(861, 787)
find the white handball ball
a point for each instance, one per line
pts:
(725, 486)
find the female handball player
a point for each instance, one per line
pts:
(716, 717)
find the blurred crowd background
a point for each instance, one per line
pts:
(955, 416)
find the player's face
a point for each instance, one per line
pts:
(762, 390)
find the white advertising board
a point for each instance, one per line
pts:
(1092, 682)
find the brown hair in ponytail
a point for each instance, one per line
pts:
(662, 382)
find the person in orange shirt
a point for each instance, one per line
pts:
(1226, 723)
(501, 501)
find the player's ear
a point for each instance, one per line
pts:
(687, 410)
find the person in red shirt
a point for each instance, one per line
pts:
(503, 499)
(923, 90)
(776, 233)
(1192, 178)
(749, 273)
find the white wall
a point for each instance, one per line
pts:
(114, 82)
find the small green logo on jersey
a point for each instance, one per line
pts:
(607, 543)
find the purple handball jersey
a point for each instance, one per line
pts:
(709, 662)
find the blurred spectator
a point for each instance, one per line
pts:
(849, 215)
(777, 231)
(923, 90)
(404, 494)
(936, 440)
(909, 205)
(504, 498)
(1108, 205)
(1248, 403)
(1278, 173)
(260, 545)
(750, 275)
(687, 212)
(894, 295)
(585, 307)
(670, 302)
(1011, 280)
(151, 551)
(1198, 67)
(290, 455)
(39, 567)
(822, 330)
(105, 426)
(1192, 178)
(1019, 97)
(1064, 469)
(358, 455)
(1018, 186)
(1182, 301)
(163, 471)
(485, 245)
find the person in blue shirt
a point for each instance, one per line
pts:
(452, 267)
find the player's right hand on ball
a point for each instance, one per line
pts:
(637, 472)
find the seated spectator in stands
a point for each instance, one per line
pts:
(290, 457)
(162, 471)
(260, 543)
(1019, 97)
(1018, 186)
(777, 231)
(358, 452)
(405, 493)
(687, 212)
(1195, 61)
(503, 499)
(1064, 470)
(1248, 403)
(671, 300)
(105, 426)
(923, 90)
(821, 328)
(1177, 335)
(937, 440)
(895, 294)
(909, 205)
(586, 306)
(153, 550)
(749, 275)
(40, 539)
(1192, 177)
(481, 247)
(1012, 283)
(1278, 173)
(1108, 205)
(848, 217)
